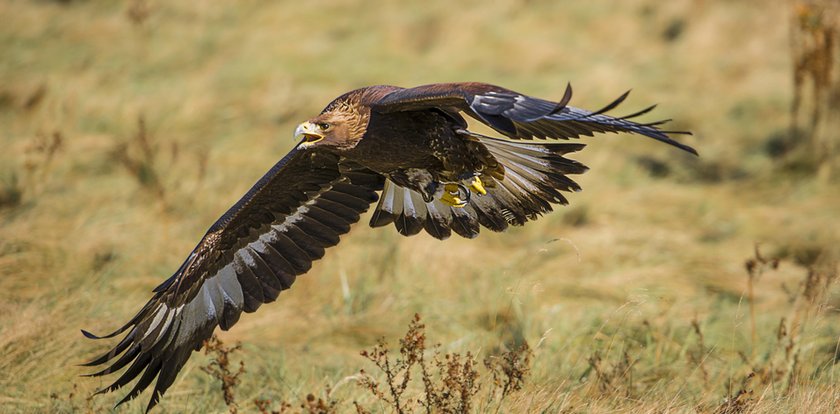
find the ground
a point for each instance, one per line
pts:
(128, 128)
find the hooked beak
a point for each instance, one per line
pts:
(309, 133)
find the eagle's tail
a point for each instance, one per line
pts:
(534, 176)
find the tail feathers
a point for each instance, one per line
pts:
(535, 175)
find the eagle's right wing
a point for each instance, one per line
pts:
(254, 251)
(536, 175)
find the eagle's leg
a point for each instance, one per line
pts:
(458, 194)
(476, 185)
(471, 181)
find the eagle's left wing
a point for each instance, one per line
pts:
(520, 116)
(254, 251)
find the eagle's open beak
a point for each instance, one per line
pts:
(309, 133)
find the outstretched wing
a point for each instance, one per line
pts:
(519, 116)
(254, 251)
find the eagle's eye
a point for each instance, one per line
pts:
(324, 126)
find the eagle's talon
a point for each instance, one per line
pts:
(452, 201)
(472, 182)
(452, 195)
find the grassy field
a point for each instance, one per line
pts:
(127, 128)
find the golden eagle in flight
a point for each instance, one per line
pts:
(410, 144)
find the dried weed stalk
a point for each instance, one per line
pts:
(780, 367)
(740, 401)
(397, 371)
(11, 191)
(41, 151)
(264, 406)
(617, 379)
(139, 155)
(456, 386)
(86, 406)
(756, 267)
(38, 158)
(815, 53)
(138, 11)
(697, 356)
(314, 405)
(809, 299)
(39, 155)
(150, 161)
(310, 405)
(450, 381)
(510, 369)
(220, 369)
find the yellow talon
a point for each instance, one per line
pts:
(450, 196)
(478, 186)
(452, 201)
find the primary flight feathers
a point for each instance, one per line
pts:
(413, 146)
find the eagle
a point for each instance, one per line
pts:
(409, 150)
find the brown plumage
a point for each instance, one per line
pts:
(413, 146)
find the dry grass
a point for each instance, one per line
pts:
(634, 300)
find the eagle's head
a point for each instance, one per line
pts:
(338, 128)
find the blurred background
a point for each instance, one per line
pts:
(671, 283)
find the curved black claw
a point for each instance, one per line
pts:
(463, 190)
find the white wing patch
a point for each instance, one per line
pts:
(408, 204)
(220, 290)
(387, 200)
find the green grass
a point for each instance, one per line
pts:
(221, 86)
